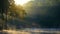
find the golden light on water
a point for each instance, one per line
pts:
(21, 2)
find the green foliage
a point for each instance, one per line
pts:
(8, 10)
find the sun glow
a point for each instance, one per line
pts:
(21, 2)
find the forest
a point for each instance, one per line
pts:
(46, 15)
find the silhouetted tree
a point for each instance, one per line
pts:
(4, 5)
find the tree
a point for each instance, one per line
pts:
(15, 12)
(4, 4)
